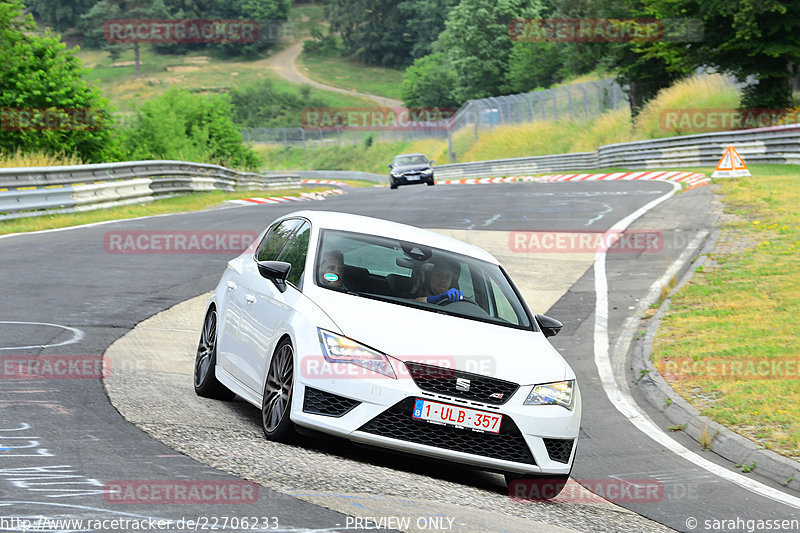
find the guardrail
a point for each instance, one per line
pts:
(36, 191)
(779, 144)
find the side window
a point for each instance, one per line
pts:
(275, 240)
(504, 308)
(295, 254)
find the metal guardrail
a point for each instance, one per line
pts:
(780, 144)
(35, 191)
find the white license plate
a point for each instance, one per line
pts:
(452, 415)
(412, 177)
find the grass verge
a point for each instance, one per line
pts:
(338, 71)
(176, 204)
(730, 341)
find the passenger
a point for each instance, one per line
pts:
(442, 284)
(332, 269)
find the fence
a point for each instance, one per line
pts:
(580, 101)
(779, 145)
(41, 190)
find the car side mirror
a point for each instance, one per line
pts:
(390, 165)
(430, 162)
(550, 326)
(276, 271)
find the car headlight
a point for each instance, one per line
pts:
(397, 174)
(340, 349)
(428, 171)
(558, 393)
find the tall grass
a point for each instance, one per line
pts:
(698, 92)
(19, 159)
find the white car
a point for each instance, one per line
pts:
(335, 322)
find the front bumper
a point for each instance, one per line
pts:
(411, 179)
(377, 411)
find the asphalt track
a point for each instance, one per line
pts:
(62, 442)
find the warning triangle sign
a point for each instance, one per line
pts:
(731, 165)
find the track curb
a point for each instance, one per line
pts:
(723, 441)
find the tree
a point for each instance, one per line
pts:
(60, 15)
(429, 82)
(424, 21)
(190, 127)
(478, 45)
(374, 31)
(45, 102)
(750, 39)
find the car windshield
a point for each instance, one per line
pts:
(405, 160)
(406, 273)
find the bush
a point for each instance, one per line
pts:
(189, 127)
(429, 82)
(261, 105)
(42, 82)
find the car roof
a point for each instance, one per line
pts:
(403, 155)
(392, 230)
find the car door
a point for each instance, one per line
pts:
(235, 355)
(267, 310)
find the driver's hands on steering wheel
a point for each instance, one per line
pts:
(451, 295)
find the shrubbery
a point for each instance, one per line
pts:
(189, 127)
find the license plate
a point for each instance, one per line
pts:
(412, 177)
(453, 415)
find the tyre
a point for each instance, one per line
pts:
(431, 183)
(535, 488)
(205, 382)
(392, 185)
(276, 404)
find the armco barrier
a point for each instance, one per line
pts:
(40, 190)
(779, 144)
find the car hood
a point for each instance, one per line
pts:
(411, 168)
(405, 333)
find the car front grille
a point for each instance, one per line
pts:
(451, 382)
(559, 450)
(397, 423)
(319, 402)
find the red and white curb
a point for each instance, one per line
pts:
(285, 199)
(692, 179)
(325, 182)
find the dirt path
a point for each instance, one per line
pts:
(283, 63)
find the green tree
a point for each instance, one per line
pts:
(43, 85)
(374, 31)
(60, 15)
(751, 39)
(189, 127)
(429, 82)
(478, 45)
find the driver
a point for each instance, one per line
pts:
(442, 284)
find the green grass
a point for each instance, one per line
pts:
(196, 72)
(346, 73)
(743, 307)
(176, 204)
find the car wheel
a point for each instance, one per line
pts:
(529, 487)
(392, 185)
(277, 400)
(205, 382)
(431, 183)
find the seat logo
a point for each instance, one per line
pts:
(462, 384)
(496, 396)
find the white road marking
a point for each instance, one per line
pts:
(625, 404)
(77, 335)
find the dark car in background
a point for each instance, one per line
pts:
(409, 169)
